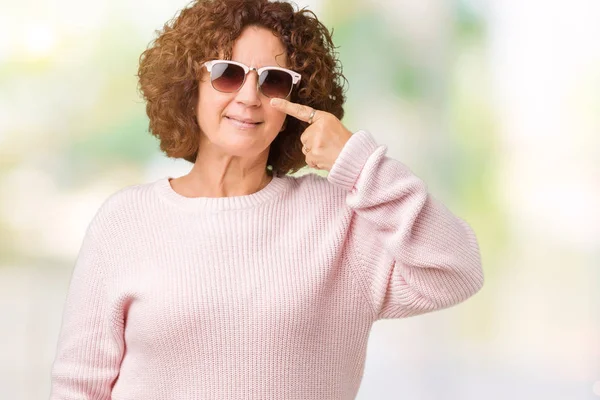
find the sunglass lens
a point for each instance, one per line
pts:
(275, 83)
(227, 77)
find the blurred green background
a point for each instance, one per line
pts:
(495, 104)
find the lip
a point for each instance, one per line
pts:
(244, 120)
(243, 123)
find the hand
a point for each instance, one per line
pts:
(324, 138)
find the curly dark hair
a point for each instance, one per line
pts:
(206, 29)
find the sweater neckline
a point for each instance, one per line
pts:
(198, 204)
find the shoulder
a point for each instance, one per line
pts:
(123, 207)
(313, 186)
(127, 198)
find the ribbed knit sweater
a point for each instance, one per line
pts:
(270, 295)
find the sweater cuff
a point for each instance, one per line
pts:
(351, 160)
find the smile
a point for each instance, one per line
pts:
(243, 124)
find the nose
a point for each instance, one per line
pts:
(248, 93)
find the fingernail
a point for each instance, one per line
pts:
(275, 102)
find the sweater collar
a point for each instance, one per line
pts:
(199, 204)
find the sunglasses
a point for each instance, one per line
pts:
(229, 76)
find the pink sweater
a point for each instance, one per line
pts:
(266, 296)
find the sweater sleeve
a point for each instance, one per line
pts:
(412, 254)
(90, 344)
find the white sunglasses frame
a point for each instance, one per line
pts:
(295, 75)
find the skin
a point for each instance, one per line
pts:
(324, 138)
(232, 158)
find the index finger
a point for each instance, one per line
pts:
(296, 110)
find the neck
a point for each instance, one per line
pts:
(226, 176)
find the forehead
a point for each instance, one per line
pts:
(258, 47)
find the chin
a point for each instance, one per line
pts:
(243, 149)
(245, 142)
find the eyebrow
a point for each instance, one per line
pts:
(263, 65)
(278, 56)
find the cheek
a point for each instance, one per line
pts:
(210, 105)
(276, 118)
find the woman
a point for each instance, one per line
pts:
(238, 281)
